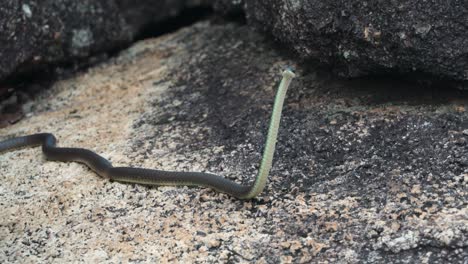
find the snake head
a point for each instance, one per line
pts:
(289, 72)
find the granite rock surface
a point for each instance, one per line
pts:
(359, 38)
(36, 33)
(366, 171)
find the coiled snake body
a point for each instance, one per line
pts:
(104, 168)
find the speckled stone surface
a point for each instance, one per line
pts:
(39, 34)
(371, 171)
(360, 38)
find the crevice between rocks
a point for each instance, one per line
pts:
(23, 86)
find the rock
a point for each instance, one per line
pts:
(38, 33)
(200, 99)
(370, 37)
(228, 6)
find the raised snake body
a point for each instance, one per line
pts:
(158, 177)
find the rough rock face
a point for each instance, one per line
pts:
(370, 37)
(34, 33)
(365, 171)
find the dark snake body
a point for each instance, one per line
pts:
(104, 168)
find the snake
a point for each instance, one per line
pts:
(104, 168)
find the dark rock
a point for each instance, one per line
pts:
(38, 33)
(371, 37)
(228, 6)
